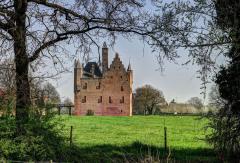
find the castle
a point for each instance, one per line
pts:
(103, 90)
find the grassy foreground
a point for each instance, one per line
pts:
(139, 137)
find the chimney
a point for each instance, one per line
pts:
(104, 57)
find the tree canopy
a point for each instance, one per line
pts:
(147, 100)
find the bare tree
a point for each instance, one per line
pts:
(196, 102)
(215, 99)
(67, 101)
(31, 32)
(147, 99)
(36, 32)
(7, 76)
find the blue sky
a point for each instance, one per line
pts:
(176, 81)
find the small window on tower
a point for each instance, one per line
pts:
(100, 99)
(122, 88)
(122, 100)
(85, 86)
(84, 100)
(98, 86)
(110, 99)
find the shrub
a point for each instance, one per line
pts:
(90, 112)
(44, 139)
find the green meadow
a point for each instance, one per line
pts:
(139, 137)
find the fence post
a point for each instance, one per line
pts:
(165, 138)
(59, 110)
(71, 130)
(70, 110)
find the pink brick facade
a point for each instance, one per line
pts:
(103, 90)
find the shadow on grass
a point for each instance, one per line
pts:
(138, 152)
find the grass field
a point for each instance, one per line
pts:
(140, 136)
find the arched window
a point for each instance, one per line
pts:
(110, 99)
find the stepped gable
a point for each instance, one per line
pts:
(117, 64)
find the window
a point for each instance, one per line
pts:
(100, 99)
(122, 100)
(121, 88)
(110, 99)
(98, 86)
(85, 86)
(84, 100)
(121, 77)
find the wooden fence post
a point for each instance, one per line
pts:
(59, 110)
(70, 110)
(71, 130)
(165, 138)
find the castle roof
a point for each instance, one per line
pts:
(88, 69)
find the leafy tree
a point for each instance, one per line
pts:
(196, 102)
(147, 99)
(226, 123)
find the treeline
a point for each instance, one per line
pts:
(148, 100)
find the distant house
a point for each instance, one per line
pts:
(184, 108)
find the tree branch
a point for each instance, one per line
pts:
(45, 45)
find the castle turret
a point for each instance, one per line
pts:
(130, 79)
(104, 57)
(78, 72)
(130, 74)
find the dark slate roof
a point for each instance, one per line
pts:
(88, 67)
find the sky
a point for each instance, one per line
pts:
(176, 81)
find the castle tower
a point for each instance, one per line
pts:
(130, 75)
(104, 58)
(130, 79)
(78, 73)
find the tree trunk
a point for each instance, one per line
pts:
(22, 63)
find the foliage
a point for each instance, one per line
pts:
(44, 139)
(215, 100)
(226, 122)
(147, 100)
(196, 102)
